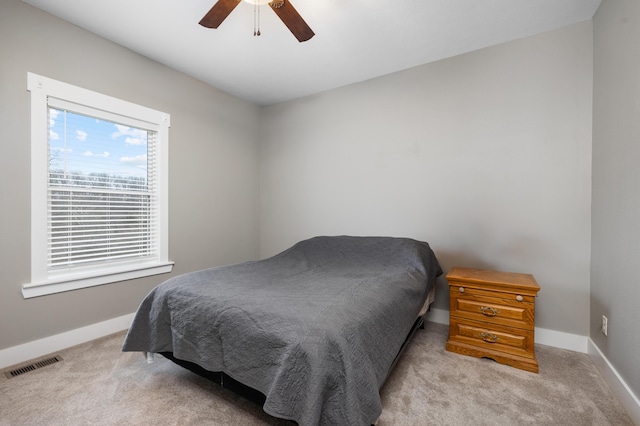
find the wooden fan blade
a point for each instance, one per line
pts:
(292, 20)
(218, 13)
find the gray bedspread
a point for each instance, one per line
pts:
(314, 328)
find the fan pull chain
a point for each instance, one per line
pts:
(256, 20)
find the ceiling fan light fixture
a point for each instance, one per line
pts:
(258, 2)
(274, 3)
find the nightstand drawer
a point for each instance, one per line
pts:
(498, 308)
(494, 337)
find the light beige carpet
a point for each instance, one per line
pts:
(96, 384)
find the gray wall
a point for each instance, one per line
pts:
(615, 259)
(487, 156)
(213, 167)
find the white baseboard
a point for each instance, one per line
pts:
(562, 340)
(620, 389)
(38, 348)
(557, 339)
(439, 316)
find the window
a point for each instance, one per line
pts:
(98, 189)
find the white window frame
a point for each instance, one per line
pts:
(45, 282)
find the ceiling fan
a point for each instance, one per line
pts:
(282, 8)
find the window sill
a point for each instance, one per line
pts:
(74, 282)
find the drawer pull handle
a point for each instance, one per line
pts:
(519, 298)
(489, 337)
(461, 289)
(489, 311)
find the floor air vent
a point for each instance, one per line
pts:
(32, 367)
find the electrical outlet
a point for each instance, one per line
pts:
(604, 325)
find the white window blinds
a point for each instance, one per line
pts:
(101, 189)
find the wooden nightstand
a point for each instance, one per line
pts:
(491, 315)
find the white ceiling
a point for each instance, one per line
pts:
(355, 39)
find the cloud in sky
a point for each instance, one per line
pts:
(81, 135)
(138, 159)
(136, 141)
(92, 154)
(133, 136)
(53, 114)
(53, 135)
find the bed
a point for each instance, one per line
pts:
(314, 330)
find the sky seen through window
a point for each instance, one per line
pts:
(87, 145)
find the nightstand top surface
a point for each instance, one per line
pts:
(497, 278)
